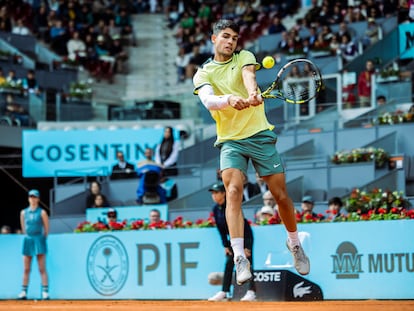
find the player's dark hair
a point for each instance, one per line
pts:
(225, 23)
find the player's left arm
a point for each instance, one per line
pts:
(250, 83)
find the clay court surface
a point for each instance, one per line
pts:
(172, 305)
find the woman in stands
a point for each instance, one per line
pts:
(167, 151)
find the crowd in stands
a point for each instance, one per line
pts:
(92, 34)
(192, 25)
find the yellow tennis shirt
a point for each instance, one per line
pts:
(226, 78)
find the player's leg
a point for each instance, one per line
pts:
(269, 166)
(250, 295)
(277, 186)
(234, 165)
(41, 261)
(233, 182)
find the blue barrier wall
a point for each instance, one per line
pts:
(129, 213)
(360, 260)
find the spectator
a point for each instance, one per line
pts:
(196, 60)
(76, 48)
(105, 62)
(5, 19)
(372, 33)
(181, 62)
(345, 30)
(348, 89)
(95, 188)
(348, 49)
(334, 209)
(34, 222)
(170, 187)
(3, 79)
(148, 157)
(276, 26)
(5, 229)
(111, 216)
(149, 189)
(58, 37)
(29, 83)
(84, 18)
(307, 214)
(283, 45)
(264, 214)
(204, 15)
(122, 169)
(16, 112)
(166, 153)
(117, 51)
(364, 84)
(313, 36)
(269, 200)
(336, 14)
(100, 201)
(261, 184)
(12, 79)
(250, 189)
(91, 56)
(187, 21)
(218, 194)
(154, 217)
(334, 45)
(381, 100)
(20, 28)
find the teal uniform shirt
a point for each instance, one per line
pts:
(34, 242)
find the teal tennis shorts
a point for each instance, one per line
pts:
(259, 148)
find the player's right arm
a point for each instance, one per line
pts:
(218, 102)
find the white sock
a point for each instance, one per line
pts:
(237, 244)
(293, 238)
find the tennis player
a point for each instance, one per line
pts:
(226, 85)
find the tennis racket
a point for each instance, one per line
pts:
(297, 82)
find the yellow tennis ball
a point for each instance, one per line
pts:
(268, 62)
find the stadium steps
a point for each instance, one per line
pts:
(151, 68)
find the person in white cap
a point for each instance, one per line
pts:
(264, 214)
(34, 222)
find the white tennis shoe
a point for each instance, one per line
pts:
(243, 273)
(249, 296)
(220, 296)
(301, 261)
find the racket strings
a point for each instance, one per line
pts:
(300, 88)
(297, 82)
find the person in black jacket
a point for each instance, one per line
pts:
(218, 194)
(123, 169)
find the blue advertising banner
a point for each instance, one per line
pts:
(406, 35)
(83, 152)
(360, 260)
